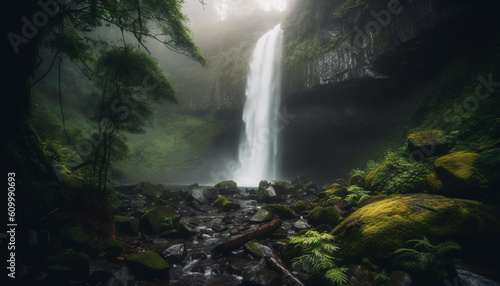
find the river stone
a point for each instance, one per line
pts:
(127, 225)
(262, 215)
(427, 143)
(159, 219)
(148, 265)
(323, 215)
(301, 225)
(225, 204)
(262, 278)
(175, 254)
(375, 230)
(281, 211)
(218, 224)
(257, 250)
(150, 190)
(359, 275)
(267, 195)
(227, 188)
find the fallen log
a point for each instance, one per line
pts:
(276, 264)
(239, 241)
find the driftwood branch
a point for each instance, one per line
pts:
(239, 241)
(276, 264)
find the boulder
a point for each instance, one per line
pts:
(267, 195)
(369, 178)
(282, 212)
(333, 190)
(300, 206)
(159, 219)
(257, 250)
(379, 228)
(127, 225)
(227, 188)
(283, 188)
(225, 204)
(427, 143)
(359, 275)
(454, 174)
(150, 190)
(262, 215)
(301, 225)
(174, 254)
(323, 215)
(148, 265)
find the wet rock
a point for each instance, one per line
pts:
(199, 255)
(267, 195)
(283, 188)
(175, 254)
(262, 278)
(262, 215)
(469, 278)
(188, 230)
(148, 265)
(333, 190)
(227, 188)
(257, 250)
(281, 211)
(359, 275)
(400, 278)
(150, 190)
(159, 219)
(197, 196)
(225, 204)
(323, 215)
(218, 224)
(301, 225)
(300, 206)
(127, 225)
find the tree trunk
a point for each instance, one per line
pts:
(239, 241)
(276, 264)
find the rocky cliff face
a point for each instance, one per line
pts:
(351, 40)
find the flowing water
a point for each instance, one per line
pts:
(259, 145)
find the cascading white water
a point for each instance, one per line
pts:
(259, 145)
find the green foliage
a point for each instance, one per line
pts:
(431, 263)
(167, 222)
(356, 194)
(400, 175)
(318, 256)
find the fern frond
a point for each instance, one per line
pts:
(336, 276)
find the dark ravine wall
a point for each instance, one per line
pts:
(351, 100)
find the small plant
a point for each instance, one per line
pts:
(356, 194)
(167, 222)
(430, 263)
(317, 257)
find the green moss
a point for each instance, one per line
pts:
(148, 265)
(459, 165)
(375, 230)
(226, 205)
(72, 235)
(153, 220)
(323, 215)
(300, 206)
(281, 211)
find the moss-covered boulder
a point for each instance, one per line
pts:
(333, 190)
(227, 188)
(427, 143)
(281, 211)
(323, 215)
(257, 249)
(283, 188)
(148, 265)
(268, 195)
(226, 205)
(151, 190)
(159, 219)
(263, 215)
(127, 225)
(381, 227)
(454, 174)
(300, 206)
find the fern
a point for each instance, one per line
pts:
(318, 256)
(356, 194)
(431, 262)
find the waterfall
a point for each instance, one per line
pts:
(259, 145)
